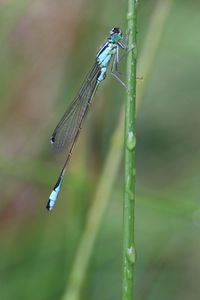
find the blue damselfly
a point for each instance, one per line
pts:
(68, 129)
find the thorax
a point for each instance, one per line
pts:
(105, 53)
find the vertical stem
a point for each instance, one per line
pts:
(130, 141)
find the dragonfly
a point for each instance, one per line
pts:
(67, 131)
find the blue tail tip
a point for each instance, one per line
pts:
(48, 206)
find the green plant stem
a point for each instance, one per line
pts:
(129, 167)
(112, 162)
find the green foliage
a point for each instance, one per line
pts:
(46, 49)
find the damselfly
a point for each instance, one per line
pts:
(68, 129)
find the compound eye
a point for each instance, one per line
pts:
(115, 30)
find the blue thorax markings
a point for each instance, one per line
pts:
(104, 57)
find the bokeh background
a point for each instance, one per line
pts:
(46, 49)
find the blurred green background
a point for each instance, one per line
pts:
(46, 49)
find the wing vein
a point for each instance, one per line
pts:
(66, 130)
